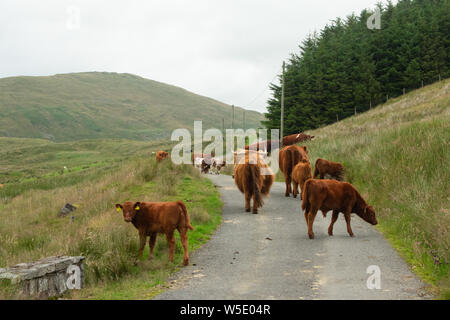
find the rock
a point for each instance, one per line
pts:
(46, 278)
(68, 208)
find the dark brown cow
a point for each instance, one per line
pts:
(296, 138)
(206, 166)
(323, 167)
(326, 195)
(161, 155)
(249, 178)
(302, 172)
(287, 159)
(264, 145)
(151, 218)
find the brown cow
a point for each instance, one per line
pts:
(264, 146)
(250, 178)
(326, 195)
(151, 218)
(296, 138)
(323, 167)
(302, 172)
(287, 159)
(161, 155)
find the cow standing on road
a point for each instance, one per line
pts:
(326, 195)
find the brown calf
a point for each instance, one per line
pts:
(287, 159)
(296, 138)
(250, 178)
(151, 218)
(302, 172)
(326, 195)
(161, 155)
(324, 167)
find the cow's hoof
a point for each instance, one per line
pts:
(286, 195)
(330, 233)
(311, 236)
(352, 235)
(295, 196)
(255, 212)
(185, 262)
(247, 210)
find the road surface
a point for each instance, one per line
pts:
(269, 256)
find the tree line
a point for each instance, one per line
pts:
(348, 68)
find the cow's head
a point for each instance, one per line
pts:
(369, 215)
(129, 209)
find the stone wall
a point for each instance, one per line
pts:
(46, 278)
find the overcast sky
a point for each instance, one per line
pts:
(227, 50)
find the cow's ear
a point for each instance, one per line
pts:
(118, 207)
(137, 206)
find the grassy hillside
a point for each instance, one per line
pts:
(398, 156)
(97, 105)
(100, 174)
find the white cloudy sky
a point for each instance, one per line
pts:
(229, 50)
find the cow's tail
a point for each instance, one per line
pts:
(305, 203)
(186, 214)
(255, 173)
(294, 159)
(316, 170)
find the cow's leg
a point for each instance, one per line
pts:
(321, 175)
(184, 241)
(247, 201)
(311, 216)
(306, 217)
(142, 239)
(295, 189)
(151, 243)
(333, 220)
(347, 215)
(171, 243)
(287, 179)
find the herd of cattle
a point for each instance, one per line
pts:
(254, 179)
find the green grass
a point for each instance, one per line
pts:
(398, 157)
(101, 173)
(101, 105)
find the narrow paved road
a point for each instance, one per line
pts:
(269, 256)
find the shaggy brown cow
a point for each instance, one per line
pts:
(161, 155)
(323, 167)
(326, 195)
(287, 159)
(264, 146)
(302, 172)
(296, 138)
(249, 178)
(151, 218)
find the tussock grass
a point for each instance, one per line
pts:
(30, 228)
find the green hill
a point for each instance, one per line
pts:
(99, 105)
(398, 156)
